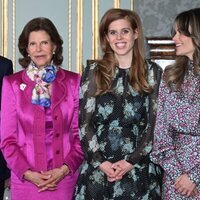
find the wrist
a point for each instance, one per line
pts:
(65, 170)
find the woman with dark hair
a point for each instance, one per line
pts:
(39, 118)
(116, 120)
(177, 131)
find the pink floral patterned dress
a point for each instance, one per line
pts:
(177, 135)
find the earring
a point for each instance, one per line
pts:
(53, 52)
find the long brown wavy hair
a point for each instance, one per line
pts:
(38, 24)
(107, 65)
(188, 24)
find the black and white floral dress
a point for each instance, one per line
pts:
(115, 126)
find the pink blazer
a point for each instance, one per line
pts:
(23, 124)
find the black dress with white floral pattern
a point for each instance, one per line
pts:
(115, 126)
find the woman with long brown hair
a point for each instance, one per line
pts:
(115, 126)
(177, 131)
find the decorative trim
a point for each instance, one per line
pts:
(4, 27)
(116, 3)
(132, 4)
(13, 34)
(95, 13)
(69, 34)
(79, 35)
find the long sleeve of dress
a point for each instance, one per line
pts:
(144, 146)
(88, 138)
(11, 150)
(164, 150)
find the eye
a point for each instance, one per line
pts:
(44, 42)
(125, 31)
(31, 44)
(112, 32)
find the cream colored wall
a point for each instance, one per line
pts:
(76, 20)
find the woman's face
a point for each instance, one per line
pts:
(40, 48)
(121, 37)
(184, 45)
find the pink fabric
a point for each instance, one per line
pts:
(23, 130)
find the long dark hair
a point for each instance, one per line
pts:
(188, 24)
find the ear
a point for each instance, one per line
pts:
(54, 47)
(107, 38)
(27, 50)
(136, 33)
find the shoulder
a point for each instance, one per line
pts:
(69, 74)
(71, 79)
(153, 66)
(89, 70)
(5, 62)
(15, 77)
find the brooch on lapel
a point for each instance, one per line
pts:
(22, 86)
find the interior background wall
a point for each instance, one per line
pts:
(158, 15)
(77, 22)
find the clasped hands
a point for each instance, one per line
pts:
(47, 180)
(115, 171)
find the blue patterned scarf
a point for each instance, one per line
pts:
(43, 79)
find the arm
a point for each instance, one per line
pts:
(9, 132)
(163, 149)
(154, 73)
(75, 157)
(89, 141)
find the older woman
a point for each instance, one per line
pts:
(39, 132)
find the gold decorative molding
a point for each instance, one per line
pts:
(132, 4)
(13, 34)
(95, 13)
(69, 34)
(79, 35)
(4, 27)
(116, 3)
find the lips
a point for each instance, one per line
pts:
(120, 45)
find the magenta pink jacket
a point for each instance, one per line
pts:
(23, 124)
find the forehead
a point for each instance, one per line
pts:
(119, 24)
(41, 34)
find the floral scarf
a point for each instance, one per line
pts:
(43, 79)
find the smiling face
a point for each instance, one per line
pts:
(40, 48)
(121, 38)
(184, 45)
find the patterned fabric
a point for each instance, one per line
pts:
(115, 126)
(177, 134)
(43, 78)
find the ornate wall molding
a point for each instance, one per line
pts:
(95, 13)
(4, 28)
(79, 36)
(69, 34)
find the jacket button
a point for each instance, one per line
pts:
(57, 134)
(56, 117)
(58, 152)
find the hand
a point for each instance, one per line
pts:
(7, 183)
(106, 168)
(121, 168)
(56, 175)
(35, 177)
(185, 186)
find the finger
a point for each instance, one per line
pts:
(46, 182)
(48, 187)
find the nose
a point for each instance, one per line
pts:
(175, 37)
(119, 36)
(38, 47)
